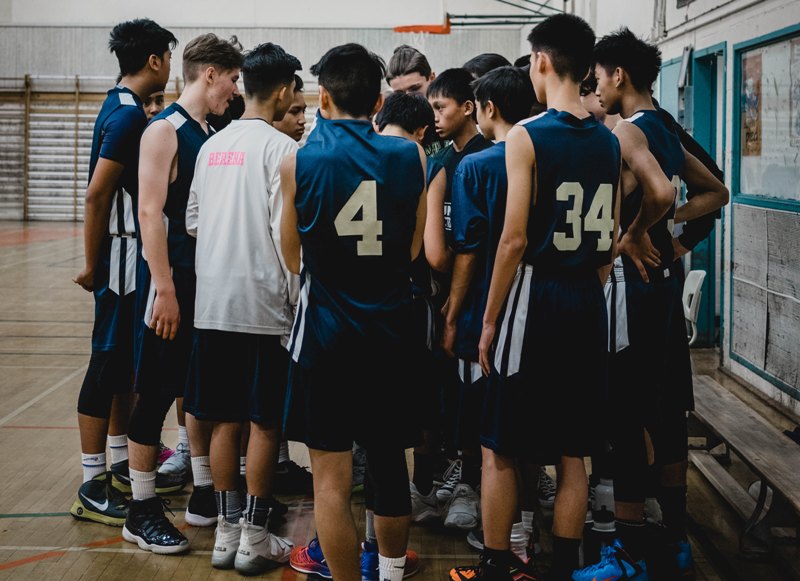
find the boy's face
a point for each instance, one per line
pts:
(222, 90)
(450, 116)
(166, 66)
(293, 123)
(484, 120)
(411, 83)
(607, 91)
(153, 104)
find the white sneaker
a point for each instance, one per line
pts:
(451, 479)
(175, 472)
(260, 550)
(423, 507)
(463, 510)
(226, 543)
(546, 489)
(652, 511)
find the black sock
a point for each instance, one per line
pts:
(494, 564)
(424, 467)
(673, 508)
(257, 510)
(229, 505)
(566, 556)
(632, 534)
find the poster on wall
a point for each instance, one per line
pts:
(751, 104)
(794, 91)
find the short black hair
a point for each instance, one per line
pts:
(298, 84)
(588, 85)
(509, 89)
(569, 41)
(485, 62)
(134, 41)
(622, 48)
(453, 83)
(266, 67)
(352, 75)
(408, 110)
(523, 61)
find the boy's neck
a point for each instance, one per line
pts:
(501, 129)
(255, 109)
(397, 131)
(634, 101)
(565, 95)
(464, 136)
(139, 84)
(193, 100)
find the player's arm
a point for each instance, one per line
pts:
(99, 195)
(659, 195)
(437, 253)
(463, 271)
(275, 202)
(711, 194)
(156, 156)
(422, 209)
(192, 206)
(605, 271)
(290, 237)
(520, 161)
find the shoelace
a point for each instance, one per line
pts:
(546, 484)
(452, 475)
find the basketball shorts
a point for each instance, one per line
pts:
(550, 369)
(235, 377)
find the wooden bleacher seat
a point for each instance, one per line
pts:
(722, 418)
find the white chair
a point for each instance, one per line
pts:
(692, 294)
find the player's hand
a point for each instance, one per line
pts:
(641, 251)
(485, 347)
(85, 279)
(449, 338)
(166, 316)
(678, 249)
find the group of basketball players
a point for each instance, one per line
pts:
(476, 265)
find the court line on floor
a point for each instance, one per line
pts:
(33, 401)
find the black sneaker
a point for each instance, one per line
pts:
(291, 478)
(202, 509)
(98, 502)
(149, 527)
(121, 477)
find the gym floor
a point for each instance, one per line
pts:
(46, 323)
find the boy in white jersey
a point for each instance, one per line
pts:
(243, 307)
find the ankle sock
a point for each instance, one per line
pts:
(118, 446)
(229, 505)
(257, 510)
(93, 465)
(201, 470)
(143, 484)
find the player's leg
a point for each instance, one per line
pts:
(224, 459)
(569, 513)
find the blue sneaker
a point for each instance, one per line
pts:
(369, 562)
(684, 560)
(615, 565)
(310, 560)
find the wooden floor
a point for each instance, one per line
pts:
(45, 328)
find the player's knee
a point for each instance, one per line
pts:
(388, 474)
(96, 392)
(147, 418)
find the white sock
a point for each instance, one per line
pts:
(370, 533)
(527, 521)
(143, 484)
(93, 465)
(119, 448)
(183, 436)
(242, 465)
(519, 541)
(283, 452)
(201, 470)
(391, 569)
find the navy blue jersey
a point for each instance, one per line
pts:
(480, 186)
(420, 269)
(356, 199)
(575, 187)
(117, 131)
(191, 137)
(665, 145)
(450, 158)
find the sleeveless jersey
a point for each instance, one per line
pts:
(117, 131)
(665, 145)
(575, 186)
(356, 199)
(191, 137)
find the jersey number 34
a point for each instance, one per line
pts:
(599, 218)
(368, 227)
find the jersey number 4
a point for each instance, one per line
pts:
(368, 227)
(599, 218)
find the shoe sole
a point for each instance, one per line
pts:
(172, 489)
(255, 566)
(464, 525)
(80, 512)
(157, 549)
(309, 571)
(121, 486)
(197, 520)
(426, 514)
(223, 561)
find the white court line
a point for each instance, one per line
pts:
(43, 395)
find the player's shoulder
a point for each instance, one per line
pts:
(537, 119)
